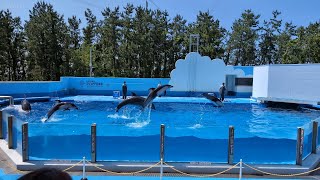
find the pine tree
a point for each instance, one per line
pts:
(243, 38)
(46, 33)
(12, 48)
(211, 35)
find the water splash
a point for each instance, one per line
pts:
(44, 119)
(15, 108)
(53, 118)
(132, 116)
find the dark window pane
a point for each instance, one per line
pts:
(244, 81)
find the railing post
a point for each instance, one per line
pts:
(231, 145)
(11, 101)
(84, 169)
(10, 132)
(299, 148)
(93, 142)
(314, 137)
(162, 128)
(25, 142)
(1, 128)
(240, 171)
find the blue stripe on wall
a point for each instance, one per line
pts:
(90, 86)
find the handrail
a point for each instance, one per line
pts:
(11, 102)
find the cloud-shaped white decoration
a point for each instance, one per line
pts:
(200, 73)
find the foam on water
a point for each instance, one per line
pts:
(138, 124)
(196, 126)
(118, 116)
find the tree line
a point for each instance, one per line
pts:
(136, 41)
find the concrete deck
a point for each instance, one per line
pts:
(11, 162)
(284, 100)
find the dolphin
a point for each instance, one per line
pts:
(60, 105)
(154, 93)
(25, 105)
(134, 100)
(214, 99)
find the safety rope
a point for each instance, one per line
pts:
(181, 172)
(125, 173)
(194, 175)
(283, 175)
(72, 166)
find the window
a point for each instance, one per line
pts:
(244, 81)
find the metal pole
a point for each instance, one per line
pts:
(25, 147)
(190, 43)
(314, 137)
(10, 132)
(162, 128)
(299, 148)
(84, 169)
(231, 145)
(1, 132)
(90, 61)
(161, 169)
(240, 171)
(93, 142)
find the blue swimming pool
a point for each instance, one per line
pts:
(195, 130)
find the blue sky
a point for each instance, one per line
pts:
(300, 12)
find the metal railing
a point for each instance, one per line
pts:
(230, 158)
(10, 98)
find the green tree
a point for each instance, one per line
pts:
(12, 49)
(46, 32)
(90, 30)
(269, 48)
(242, 42)
(177, 43)
(211, 35)
(312, 43)
(126, 49)
(74, 63)
(108, 43)
(284, 38)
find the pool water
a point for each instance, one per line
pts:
(195, 130)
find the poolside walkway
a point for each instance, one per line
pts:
(9, 168)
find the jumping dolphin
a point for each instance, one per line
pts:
(25, 105)
(214, 99)
(156, 92)
(134, 100)
(60, 105)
